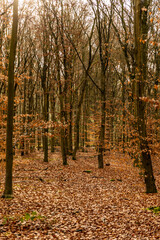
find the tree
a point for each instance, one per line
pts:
(8, 192)
(103, 24)
(141, 39)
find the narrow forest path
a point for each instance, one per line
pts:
(79, 201)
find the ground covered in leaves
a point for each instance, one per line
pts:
(79, 201)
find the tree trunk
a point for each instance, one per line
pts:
(78, 116)
(8, 192)
(70, 130)
(123, 112)
(24, 118)
(45, 114)
(45, 111)
(52, 101)
(62, 132)
(70, 124)
(102, 127)
(141, 34)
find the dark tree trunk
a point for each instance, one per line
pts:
(8, 192)
(52, 101)
(101, 146)
(141, 34)
(45, 110)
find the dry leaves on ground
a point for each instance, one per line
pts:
(79, 201)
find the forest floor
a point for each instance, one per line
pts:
(79, 201)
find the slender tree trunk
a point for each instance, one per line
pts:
(8, 192)
(123, 112)
(104, 30)
(24, 119)
(52, 101)
(70, 130)
(102, 127)
(157, 78)
(63, 137)
(77, 122)
(45, 111)
(141, 34)
(112, 111)
(70, 123)
(46, 103)
(61, 101)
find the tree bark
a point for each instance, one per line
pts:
(101, 147)
(52, 102)
(45, 110)
(8, 192)
(141, 34)
(78, 116)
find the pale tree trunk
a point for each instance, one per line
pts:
(141, 34)
(8, 192)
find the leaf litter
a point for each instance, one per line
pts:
(79, 201)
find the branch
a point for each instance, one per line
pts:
(6, 10)
(86, 69)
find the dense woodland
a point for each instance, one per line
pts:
(86, 75)
(80, 77)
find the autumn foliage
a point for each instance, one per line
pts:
(86, 89)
